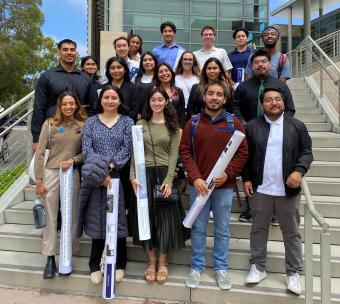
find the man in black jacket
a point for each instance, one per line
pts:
(246, 100)
(280, 153)
(64, 77)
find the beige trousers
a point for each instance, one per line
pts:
(51, 203)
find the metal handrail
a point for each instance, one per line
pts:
(16, 105)
(311, 213)
(327, 37)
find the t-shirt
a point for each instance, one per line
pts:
(239, 60)
(202, 56)
(274, 68)
(185, 84)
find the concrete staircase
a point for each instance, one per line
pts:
(21, 263)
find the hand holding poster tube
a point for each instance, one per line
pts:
(220, 166)
(142, 194)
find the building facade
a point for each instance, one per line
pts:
(144, 17)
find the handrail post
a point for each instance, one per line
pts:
(308, 256)
(325, 261)
(29, 141)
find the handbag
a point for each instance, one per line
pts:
(157, 191)
(47, 152)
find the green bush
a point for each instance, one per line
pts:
(8, 177)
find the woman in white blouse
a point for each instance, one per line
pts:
(187, 74)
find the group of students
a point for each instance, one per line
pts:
(167, 104)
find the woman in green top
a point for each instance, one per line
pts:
(167, 232)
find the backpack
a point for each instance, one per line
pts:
(282, 62)
(194, 124)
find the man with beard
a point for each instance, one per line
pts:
(280, 154)
(280, 64)
(169, 51)
(64, 77)
(199, 152)
(246, 100)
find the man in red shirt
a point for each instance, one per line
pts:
(199, 152)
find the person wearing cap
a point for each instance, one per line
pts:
(246, 100)
(240, 55)
(280, 154)
(280, 67)
(169, 51)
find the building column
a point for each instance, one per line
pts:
(116, 16)
(306, 17)
(320, 8)
(290, 39)
(89, 26)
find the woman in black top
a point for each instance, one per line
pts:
(165, 77)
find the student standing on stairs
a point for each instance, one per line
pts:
(199, 152)
(62, 136)
(246, 102)
(280, 153)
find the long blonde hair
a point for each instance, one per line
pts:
(79, 114)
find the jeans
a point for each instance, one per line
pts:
(220, 203)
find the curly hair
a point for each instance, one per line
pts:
(170, 115)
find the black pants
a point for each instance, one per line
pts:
(97, 250)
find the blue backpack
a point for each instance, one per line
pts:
(195, 121)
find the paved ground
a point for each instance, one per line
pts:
(20, 296)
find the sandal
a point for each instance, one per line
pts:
(162, 273)
(150, 272)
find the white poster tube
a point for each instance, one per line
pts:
(142, 193)
(220, 166)
(66, 195)
(111, 240)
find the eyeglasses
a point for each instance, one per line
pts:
(271, 100)
(188, 59)
(257, 62)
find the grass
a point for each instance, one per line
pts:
(8, 177)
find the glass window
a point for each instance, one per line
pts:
(147, 20)
(182, 36)
(181, 21)
(196, 37)
(256, 25)
(147, 5)
(225, 37)
(198, 22)
(149, 34)
(128, 18)
(230, 10)
(148, 46)
(229, 24)
(176, 7)
(203, 8)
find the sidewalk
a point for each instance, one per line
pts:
(25, 296)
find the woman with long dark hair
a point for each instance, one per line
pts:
(61, 134)
(89, 65)
(187, 74)
(161, 143)
(165, 77)
(107, 137)
(212, 71)
(135, 43)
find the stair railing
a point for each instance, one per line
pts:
(15, 153)
(309, 60)
(330, 44)
(311, 213)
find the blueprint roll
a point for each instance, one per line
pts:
(142, 192)
(220, 166)
(66, 194)
(110, 249)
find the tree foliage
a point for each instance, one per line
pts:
(24, 51)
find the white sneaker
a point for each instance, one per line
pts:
(194, 279)
(255, 276)
(119, 274)
(96, 277)
(294, 283)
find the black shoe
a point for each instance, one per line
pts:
(275, 222)
(245, 216)
(50, 268)
(64, 274)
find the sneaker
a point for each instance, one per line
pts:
(96, 277)
(194, 278)
(245, 216)
(275, 222)
(119, 274)
(294, 283)
(255, 276)
(223, 279)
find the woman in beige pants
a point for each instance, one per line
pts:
(60, 134)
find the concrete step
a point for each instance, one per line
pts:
(324, 169)
(326, 154)
(311, 118)
(324, 186)
(308, 111)
(319, 127)
(299, 90)
(305, 104)
(325, 139)
(25, 270)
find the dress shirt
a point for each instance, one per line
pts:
(202, 56)
(170, 55)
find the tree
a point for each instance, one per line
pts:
(24, 51)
